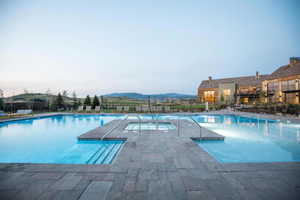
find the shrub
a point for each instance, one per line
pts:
(293, 109)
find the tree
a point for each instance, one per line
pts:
(75, 101)
(59, 102)
(1, 93)
(1, 100)
(87, 101)
(79, 102)
(65, 93)
(1, 104)
(95, 101)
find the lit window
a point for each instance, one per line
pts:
(245, 100)
(209, 96)
(209, 93)
(226, 92)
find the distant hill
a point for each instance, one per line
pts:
(152, 96)
(34, 96)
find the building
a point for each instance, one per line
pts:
(280, 86)
(231, 90)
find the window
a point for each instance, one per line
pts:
(209, 96)
(226, 92)
(290, 98)
(245, 100)
(273, 87)
(288, 85)
(244, 91)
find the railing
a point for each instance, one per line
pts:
(140, 125)
(200, 127)
(178, 126)
(139, 119)
(112, 129)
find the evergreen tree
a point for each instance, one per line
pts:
(79, 102)
(87, 101)
(1, 100)
(1, 104)
(59, 102)
(75, 101)
(65, 93)
(95, 102)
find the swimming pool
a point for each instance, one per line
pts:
(251, 140)
(54, 140)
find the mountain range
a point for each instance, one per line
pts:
(132, 95)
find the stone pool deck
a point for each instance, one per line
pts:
(184, 128)
(152, 165)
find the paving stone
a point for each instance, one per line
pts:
(14, 181)
(132, 173)
(160, 189)
(177, 185)
(68, 182)
(197, 195)
(96, 176)
(33, 190)
(96, 190)
(116, 191)
(47, 175)
(149, 174)
(134, 195)
(60, 195)
(8, 194)
(129, 186)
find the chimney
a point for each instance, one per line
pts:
(210, 78)
(294, 60)
(257, 75)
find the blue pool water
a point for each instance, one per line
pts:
(54, 140)
(161, 126)
(251, 140)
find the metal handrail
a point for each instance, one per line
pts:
(140, 121)
(108, 132)
(198, 125)
(178, 126)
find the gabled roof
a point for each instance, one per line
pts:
(241, 81)
(285, 71)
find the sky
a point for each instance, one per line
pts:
(158, 46)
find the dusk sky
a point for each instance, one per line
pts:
(99, 47)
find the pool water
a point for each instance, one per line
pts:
(54, 140)
(251, 140)
(161, 126)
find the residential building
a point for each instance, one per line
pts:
(231, 90)
(280, 86)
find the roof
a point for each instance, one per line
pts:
(285, 71)
(241, 81)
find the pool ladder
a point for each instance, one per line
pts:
(140, 123)
(200, 127)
